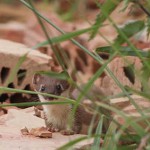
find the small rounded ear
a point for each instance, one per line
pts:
(36, 78)
(65, 84)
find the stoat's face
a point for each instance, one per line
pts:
(46, 84)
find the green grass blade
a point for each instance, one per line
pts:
(125, 92)
(90, 129)
(57, 55)
(121, 33)
(127, 147)
(140, 93)
(71, 143)
(127, 119)
(108, 7)
(109, 140)
(11, 90)
(96, 144)
(123, 51)
(64, 37)
(28, 104)
(112, 75)
(90, 83)
(61, 31)
(131, 137)
(129, 30)
(129, 122)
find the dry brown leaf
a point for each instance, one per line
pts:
(24, 131)
(41, 132)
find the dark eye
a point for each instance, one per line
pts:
(42, 88)
(58, 87)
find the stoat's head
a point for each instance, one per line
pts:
(49, 85)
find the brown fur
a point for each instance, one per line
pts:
(59, 117)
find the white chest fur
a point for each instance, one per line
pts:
(58, 115)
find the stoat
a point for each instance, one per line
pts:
(58, 117)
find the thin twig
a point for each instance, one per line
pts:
(59, 59)
(142, 7)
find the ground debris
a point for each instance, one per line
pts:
(24, 131)
(41, 132)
